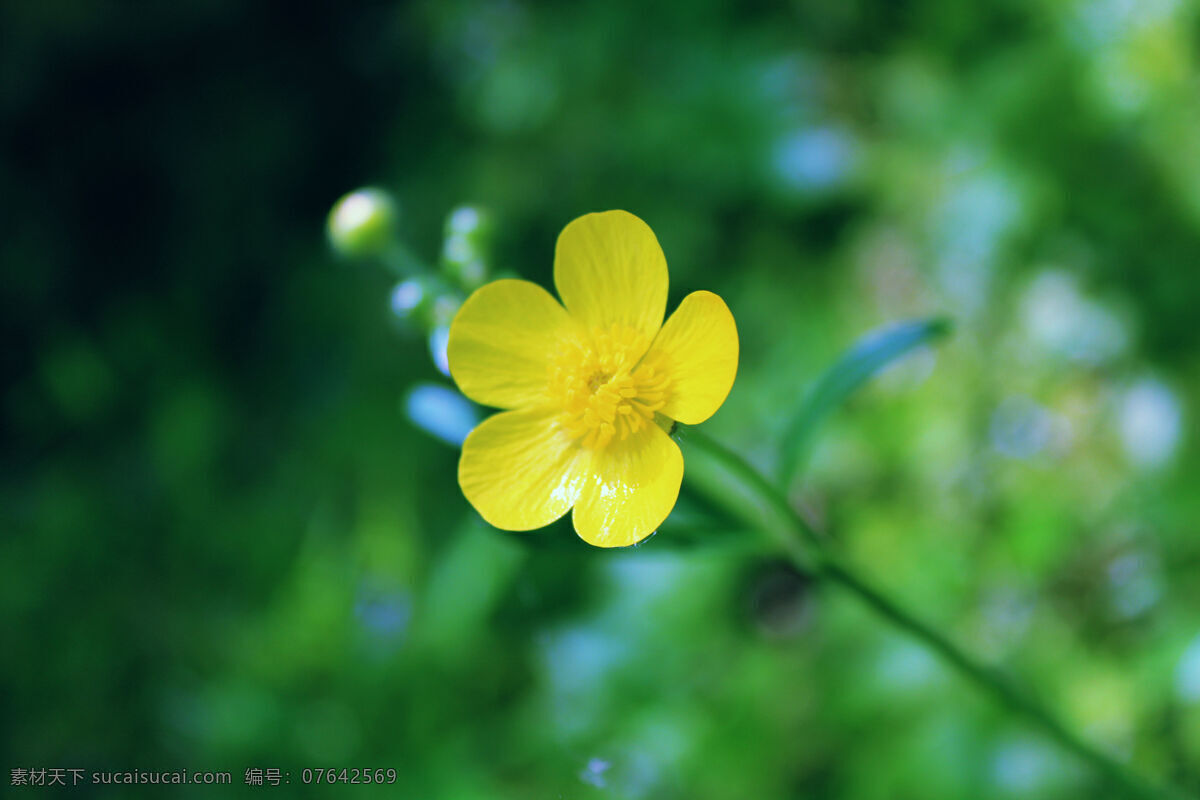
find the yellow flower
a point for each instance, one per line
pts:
(592, 388)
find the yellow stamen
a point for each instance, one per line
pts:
(603, 387)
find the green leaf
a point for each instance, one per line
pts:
(867, 358)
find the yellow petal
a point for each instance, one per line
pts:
(698, 350)
(632, 487)
(519, 471)
(609, 270)
(501, 342)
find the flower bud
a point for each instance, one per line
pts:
(439, 343)
(425, 301)
(362, 223)
(465, 248)
(441, 412)
(470, 221)
(412, 299)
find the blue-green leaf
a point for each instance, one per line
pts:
(866, 359)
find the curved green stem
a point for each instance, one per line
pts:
(809, 551)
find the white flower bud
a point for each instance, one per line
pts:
(362, 223)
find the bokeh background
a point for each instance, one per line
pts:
(226, 543)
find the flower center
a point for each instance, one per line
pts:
(604, 388)
(597, 380)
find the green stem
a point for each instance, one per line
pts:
(809, 551)
(401, 262)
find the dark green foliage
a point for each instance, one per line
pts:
(222, 544)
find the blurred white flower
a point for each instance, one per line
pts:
(975, 215)
(1021, 428)
(1023, 766)
(1136, 585)
(815, 158)
(1151, 423)
(1187, 674)
(1063, 322)
(593, 773)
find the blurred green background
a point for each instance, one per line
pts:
(226, 544)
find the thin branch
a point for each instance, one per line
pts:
(809, 551)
